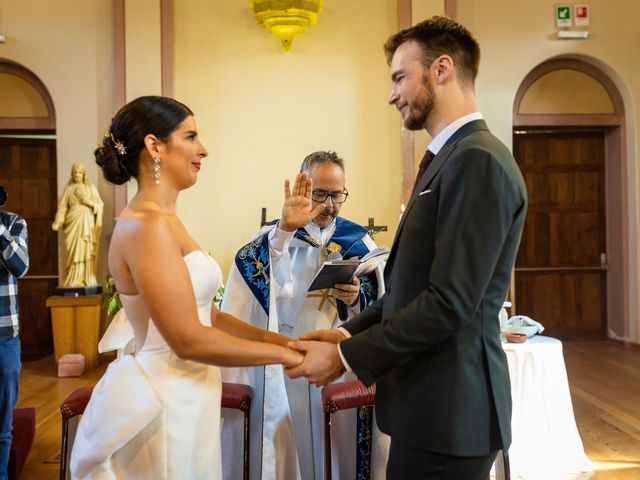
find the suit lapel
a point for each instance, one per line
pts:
(432, 170)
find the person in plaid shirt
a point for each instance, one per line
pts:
(14, 263)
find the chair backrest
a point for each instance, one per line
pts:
(71, 408)
(76, 402)
(345, 395)
(236, 395)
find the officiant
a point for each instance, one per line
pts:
(268, 287)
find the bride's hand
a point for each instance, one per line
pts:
(292, 358)
(297, 210)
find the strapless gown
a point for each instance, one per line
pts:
(154, 415)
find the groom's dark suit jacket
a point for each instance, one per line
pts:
(431, 343)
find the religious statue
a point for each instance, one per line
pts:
(80, 215)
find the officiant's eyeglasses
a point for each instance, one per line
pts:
(336, 197)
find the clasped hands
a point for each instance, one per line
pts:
(322, 363)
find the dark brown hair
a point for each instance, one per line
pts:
(120, 150)
(441, 36)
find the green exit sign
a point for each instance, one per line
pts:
(563, 15)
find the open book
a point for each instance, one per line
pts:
(343, 271)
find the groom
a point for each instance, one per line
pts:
(431, 343)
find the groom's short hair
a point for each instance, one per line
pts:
(440, 36)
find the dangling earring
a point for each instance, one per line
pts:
(156, 169)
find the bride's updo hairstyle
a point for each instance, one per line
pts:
(119, 153)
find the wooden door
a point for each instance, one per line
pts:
(561, 265)
(28, 172)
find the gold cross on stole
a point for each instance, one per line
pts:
(260, 269)
(324, 297)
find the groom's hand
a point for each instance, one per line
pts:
(321, 363)
(297, 210)
(331, 336)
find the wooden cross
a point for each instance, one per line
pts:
(373, 228)
(263, 218)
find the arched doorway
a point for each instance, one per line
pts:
(28, 172)
(568, 139)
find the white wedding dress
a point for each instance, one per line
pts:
(154, 415)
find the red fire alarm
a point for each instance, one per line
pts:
(581, 15)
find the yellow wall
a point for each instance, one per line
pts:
(261, 111)
(517, 36)
(67, 44)
(142, 48)
(142, 56)
(566, 91)
(19, 99)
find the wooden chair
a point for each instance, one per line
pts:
(343, 396)
(73, 406)
(238, 396)
(234, 395)
(353, 394)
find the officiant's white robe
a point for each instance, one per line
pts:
(287, 415)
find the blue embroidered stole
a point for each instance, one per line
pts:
(252, 260)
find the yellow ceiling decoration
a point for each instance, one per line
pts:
(286, 19)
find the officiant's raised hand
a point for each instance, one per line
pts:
(298, 210)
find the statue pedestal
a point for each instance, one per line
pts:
(76, 326)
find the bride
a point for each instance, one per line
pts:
(156, 414)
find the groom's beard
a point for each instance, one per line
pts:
(421, 107)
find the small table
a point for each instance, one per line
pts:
(76, 326)
(545, 440)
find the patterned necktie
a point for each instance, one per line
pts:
(426, 160)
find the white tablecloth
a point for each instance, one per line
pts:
(546, 444)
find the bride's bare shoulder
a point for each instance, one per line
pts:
(141, 222)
